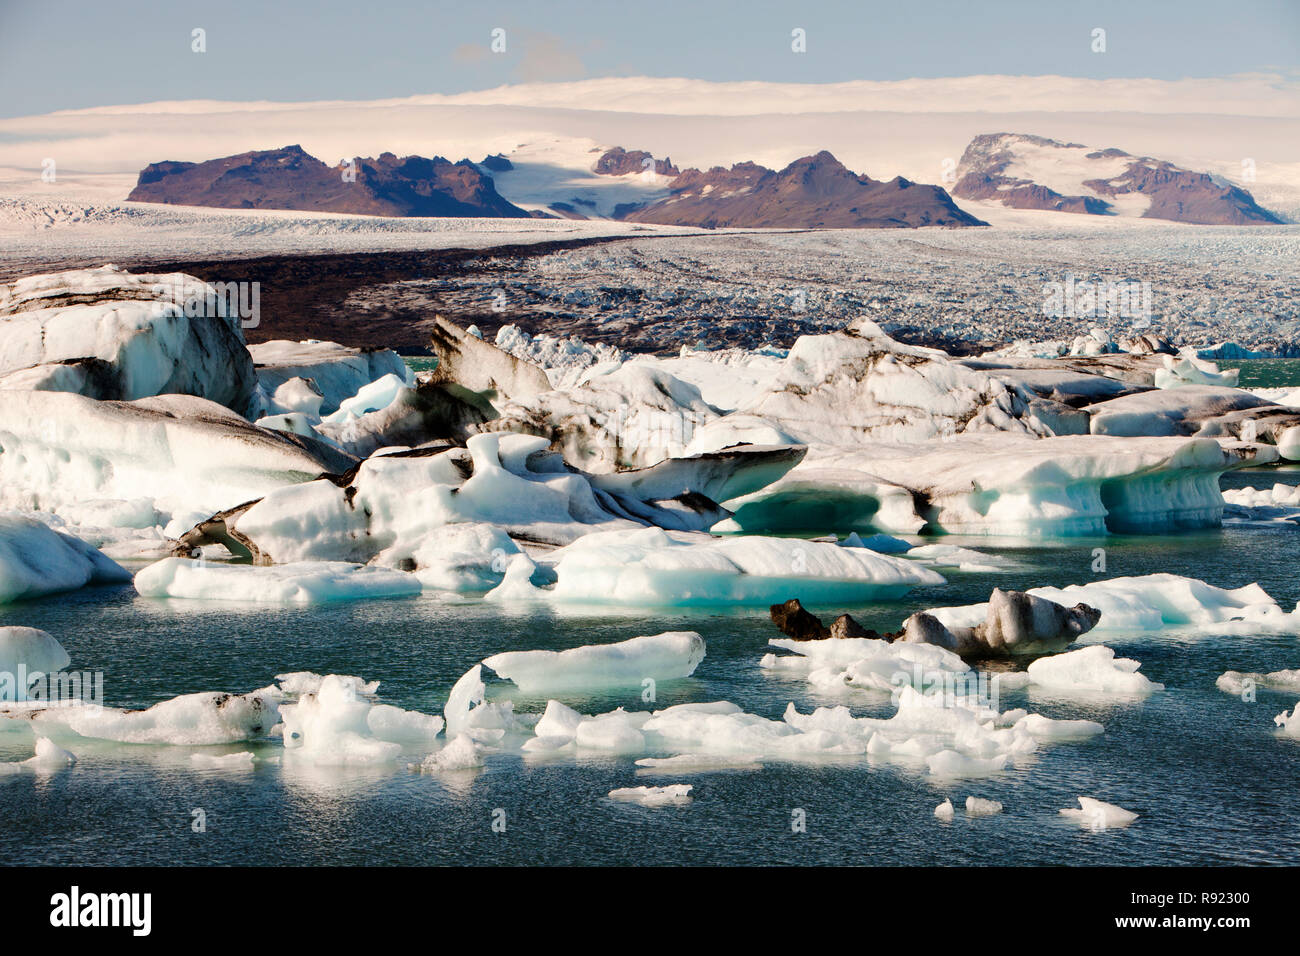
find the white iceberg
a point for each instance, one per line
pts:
(671, 795)
(338, 725)
(306, 582)
(1093, 669)
(1098, 815)
(112, 335)
(36, 560)
(653, 567)
(624, 664)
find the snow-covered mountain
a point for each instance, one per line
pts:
(1033, 172)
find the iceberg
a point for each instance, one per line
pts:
(49, 756)
(335, 373)
(654, 567)
(189, 720)
(1088, 670)
(112, 335)
(1098, 815)
(979, 807)
(625, 664)
(1153, 602)
(1001, 485)
(305, 582)
(35, 559)
(177, 454)
(338, 725)
(26, 650)
(671, 795)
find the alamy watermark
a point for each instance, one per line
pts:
(1095, 299)
(58, 689)
(241, 300)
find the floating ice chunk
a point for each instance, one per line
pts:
(1046, 728)
(48, 756)
(35, 559)
(236, 761)
(26, 650)
(369, 398)
(698, 763)
(1289, 722)
(944, 811)
(624, 664)
(950, 763)
(883, 543)
(616, 732)
(1092, 669)
(1236, 682)
(978, 807)
(466, 710)
(114, 335)
(336, 725)
(297, 683)
(951, 556)
(465, 556)
(558, 721)
(517, 585)
(337, 372)
(1152, 602)
(303, 582)
(460, 753)
(653, 567)
(189, 720)
(1097, 815)
(671, 795)
(867, 664)
(1187, 369)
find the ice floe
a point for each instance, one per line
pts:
(36, 559)
(624, 664)
(1093, 669)
(1098, 815)
(49, 756)
(1154, 602)
(657, 567)
(305, 582)
(672, 795)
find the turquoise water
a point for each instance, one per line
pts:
(1210, 780)
(1265, 373)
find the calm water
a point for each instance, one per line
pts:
(1212, 783)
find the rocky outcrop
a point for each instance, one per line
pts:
(290, 178)
(1013, 168)
(815, 191)
(619, 162)
(798, 623)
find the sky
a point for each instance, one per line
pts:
(68, 54)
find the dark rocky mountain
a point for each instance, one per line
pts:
(1011, 168)
(619, 161)
(290, 178)
(815, 191)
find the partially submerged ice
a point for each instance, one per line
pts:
(628, 663)
(36, 559)
(654, 567)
